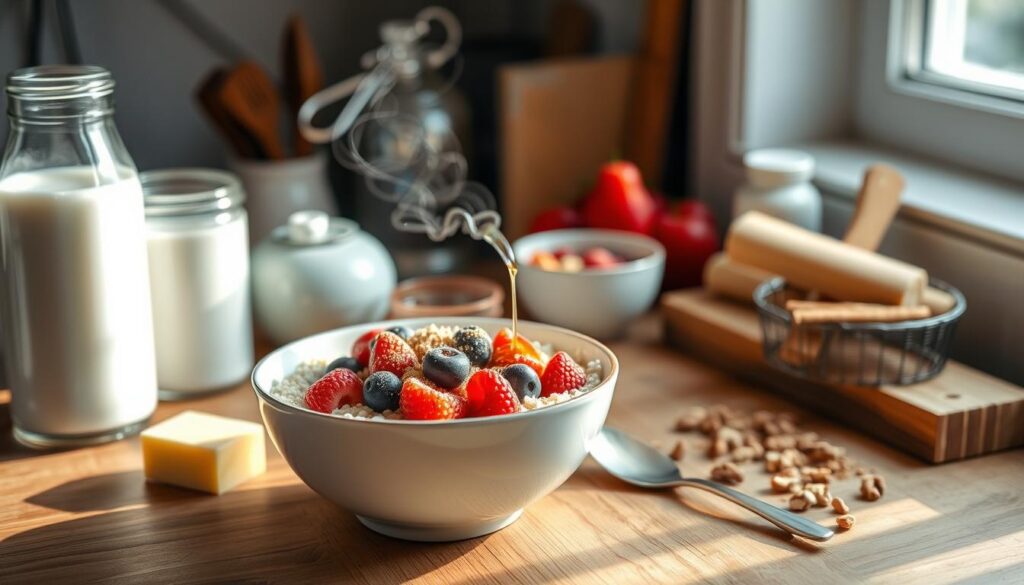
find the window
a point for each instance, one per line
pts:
(970, 45)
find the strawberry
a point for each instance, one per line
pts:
(361, 348)
(391, 353)
(336, 388)
(600, 258)
(421, 401)
(488, 393)
(619, 200)
(561, 375)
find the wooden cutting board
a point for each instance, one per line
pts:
(960, 413)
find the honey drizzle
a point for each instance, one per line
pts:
(493, 236)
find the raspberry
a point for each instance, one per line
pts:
(490, 394)
(336, 388)
(391, 354)
(561, 375)
(420, 401)
(361, 347)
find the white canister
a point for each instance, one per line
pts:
(198, 241)
(318, 273)
(779, 184)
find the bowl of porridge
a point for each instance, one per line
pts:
(423, 432)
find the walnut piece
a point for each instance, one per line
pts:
(840, 506)
(846, 521)
(727, 473)
(872, 487)
(678, 451)
(801, 501)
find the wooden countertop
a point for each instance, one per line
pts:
(88, 515)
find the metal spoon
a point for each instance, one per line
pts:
(636, 463)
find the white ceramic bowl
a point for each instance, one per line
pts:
(435, 480)
(600, 303)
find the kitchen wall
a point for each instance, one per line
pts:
(158, 62)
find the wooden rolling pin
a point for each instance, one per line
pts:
(876, 205)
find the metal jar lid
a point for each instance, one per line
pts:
(190, 191)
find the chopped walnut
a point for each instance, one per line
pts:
(690, 419)
(822, 495)
(772, 461)
(427, 338)
(782, 484)
(872, 487)
(845, 521)
(678, 451)
(801, 501)
(840, 506)
(743, 454)
(727, 473)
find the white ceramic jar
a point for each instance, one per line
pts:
(779, 184)
(198, 242)
(318, 273)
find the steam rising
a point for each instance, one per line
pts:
(423, 176)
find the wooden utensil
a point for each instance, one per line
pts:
(302, 74)
(877, 203)
(249, 96)
(243, 144)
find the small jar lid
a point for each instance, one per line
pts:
(311, 227)
(772, 167)
(190, 191)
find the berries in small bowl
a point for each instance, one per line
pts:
(619, 280)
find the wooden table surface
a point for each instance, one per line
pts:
(88, 515)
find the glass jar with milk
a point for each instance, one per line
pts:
(76, 305)
(199, 274)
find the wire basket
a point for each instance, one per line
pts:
(862, 354)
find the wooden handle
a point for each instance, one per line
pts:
(240, 140)
(877, 204)
(249, 96)
(302, 75)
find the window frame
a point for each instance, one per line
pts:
(907, 74)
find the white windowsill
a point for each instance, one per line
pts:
(974, 206)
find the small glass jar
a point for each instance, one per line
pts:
(779, 184)
(198, 241)
(76, 312)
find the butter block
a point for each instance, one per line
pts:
(203, 451)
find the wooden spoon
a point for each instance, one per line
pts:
(303, 75)
(243, 144)
(877, 203)
(249, 96)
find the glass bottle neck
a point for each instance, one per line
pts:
(72, 112)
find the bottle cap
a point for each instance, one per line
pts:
(773, 167)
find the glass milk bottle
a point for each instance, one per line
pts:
(75, 285)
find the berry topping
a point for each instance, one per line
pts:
(344, 363)
(420, 401)
(381, 391)
(475, 343)
(561, 375)
(401, 331)
(506, 351)
(336, 388)
(391, 354)
(446, 366)
(489, 393)
(361, 348)
(523, 379)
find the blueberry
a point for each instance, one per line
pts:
(446, 366)
(347, 363)
(523, 380)
(381, 391)
(475, 343)
(401, 331)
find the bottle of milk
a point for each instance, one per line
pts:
(74, 281)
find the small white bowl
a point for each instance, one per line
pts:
(435, 480)
(599, 302)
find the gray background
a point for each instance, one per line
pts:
(158, 63)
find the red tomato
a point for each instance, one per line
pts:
(690, 238)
